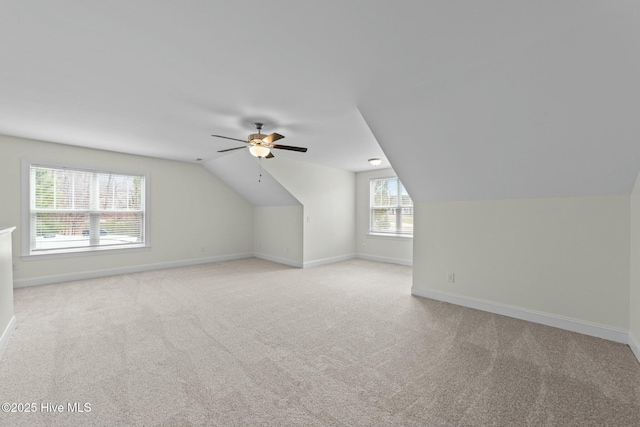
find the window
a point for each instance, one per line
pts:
(74, 210)
(391, 208)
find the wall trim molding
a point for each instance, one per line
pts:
(47, 280)
(389, 260)
(317, 262)
(6, 335)
(279, 260)
(573, 325)
(634, 345)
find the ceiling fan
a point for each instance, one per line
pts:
(261, 145)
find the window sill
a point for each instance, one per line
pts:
(391, 236)
(70, 253)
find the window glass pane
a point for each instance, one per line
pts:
(406, 224)
(61, 189)
(383, 220)
(45, 188)
(120, 228)
(81, 188)
(76, 209)
(385, 192)
(405, 198)
(61, 230)
(391, 207)
(120, 192)
(393, 191)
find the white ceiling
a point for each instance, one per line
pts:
(469, 100)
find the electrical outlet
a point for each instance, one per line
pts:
(451, 277)
(15, 267)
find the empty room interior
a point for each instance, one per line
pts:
(322, 213)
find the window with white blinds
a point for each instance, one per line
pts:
(391, 208)
(74, 210)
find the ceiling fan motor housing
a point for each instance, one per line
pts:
(256, 136)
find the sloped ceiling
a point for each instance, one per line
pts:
(467, 100)
(551, 115)
(247, 176)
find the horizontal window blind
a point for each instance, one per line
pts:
(75, 209)
(391, 208)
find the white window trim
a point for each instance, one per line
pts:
(27, 255)
(391, 236)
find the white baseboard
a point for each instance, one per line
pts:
(6, 335)
(47, 280)
(23, 283)
(331, 260)
(635, 346)
(279, 260)
(580, 326)
(386, 259)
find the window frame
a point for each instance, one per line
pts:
(27, 253)
(394, 234)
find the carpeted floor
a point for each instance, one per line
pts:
(253, 343)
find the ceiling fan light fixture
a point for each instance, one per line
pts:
(261, 145)
(375, 161)
(259, 151)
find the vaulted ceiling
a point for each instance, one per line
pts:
(467, 100)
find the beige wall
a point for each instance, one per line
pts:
(634, 294)
(567, 257)
(388, 249)
(278, 234)
(193, 214)
(328, 199)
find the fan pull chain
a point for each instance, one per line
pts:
(260, 161)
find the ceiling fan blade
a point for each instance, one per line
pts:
(273, 137)
(291, 148)
(230, 149)
(233, 139)
(270, 155)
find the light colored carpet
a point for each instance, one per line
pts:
(254, 343)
